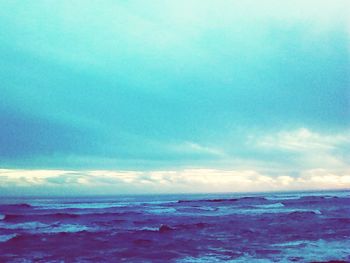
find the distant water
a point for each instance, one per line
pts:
(285, 227)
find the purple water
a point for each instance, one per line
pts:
(289, 227)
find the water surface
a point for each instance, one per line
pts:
(273, 227)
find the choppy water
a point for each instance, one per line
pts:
(290, 227)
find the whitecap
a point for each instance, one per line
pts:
(274, 205)
(291, 243)
(37, 227)
(81, 206)
(24, 226)
(161, 210)
(65, 228)
(317, 212)
(282, 198)
(147, 228)
(5, 238)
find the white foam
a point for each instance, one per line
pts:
(81, 206)
(317, 212)
(65, 228)
(24, 226)
(275, 205)
(215, 258)
(5, 238)
(281, 198)
(291, 243)
(264, 210)
(320, 250)
(162, 210)
(37, 227)
(147, 228)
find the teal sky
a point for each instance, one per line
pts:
(180, 94)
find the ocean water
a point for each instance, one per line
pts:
(273, 227)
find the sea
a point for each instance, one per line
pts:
(245, 227)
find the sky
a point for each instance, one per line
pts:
(125, 97)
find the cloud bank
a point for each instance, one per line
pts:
(183, 181)
(315, 162)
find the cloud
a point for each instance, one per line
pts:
(309, 148)
(304, 140)
(189, 147)
(175, 181)
(173, 85)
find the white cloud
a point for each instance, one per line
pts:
(181, 181)
(313, 150)
(302, 140)
(189, 147)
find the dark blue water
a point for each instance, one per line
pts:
(289, 227)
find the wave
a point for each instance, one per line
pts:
(225, 200)
(5, 238)
(208, 200)
(253, 198)
(11, 217)
(282, 197)
(68, 217)
(161, 210)
(324, 199)
(196, 209)
(15, 206)
(24, 226)
(164, 228)
(38, 227)
(66, 228)
(301, 214)
(268, 206)
(62, 206)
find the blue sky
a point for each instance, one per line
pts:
(217, 90)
